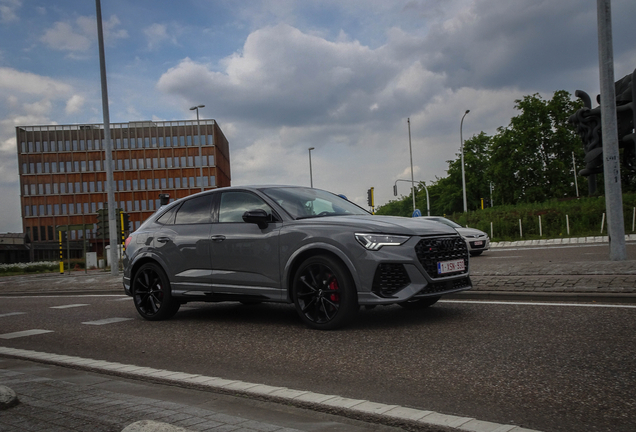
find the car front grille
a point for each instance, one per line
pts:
(431, 251)
(446, 286)
(389, 279)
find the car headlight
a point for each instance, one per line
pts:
(376, 241)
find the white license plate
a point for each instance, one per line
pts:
(479, 243)
(450, 266)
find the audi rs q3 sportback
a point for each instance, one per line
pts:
(289, 244)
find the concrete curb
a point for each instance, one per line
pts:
(578, 297)
(152, 426)
(8, 398)
(364, 410)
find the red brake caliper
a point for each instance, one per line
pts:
(333, 285)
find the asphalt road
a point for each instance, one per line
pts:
(545, 367)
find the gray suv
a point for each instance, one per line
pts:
(292, 245)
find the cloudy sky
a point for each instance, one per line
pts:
(281, 76)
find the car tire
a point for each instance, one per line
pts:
(420, 303)
(324, 293)
(476, 253)
(152, 295)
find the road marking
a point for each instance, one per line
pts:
(59, 296)
(107, 321)
(68, 306)
(123, 299)
(11, 314)
(355, 407)
(24, 333)
(619, 306)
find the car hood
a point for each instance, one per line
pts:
(385, 224)
(471, 232)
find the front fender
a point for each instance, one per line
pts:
(315, 248)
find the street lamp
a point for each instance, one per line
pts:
(311, 179)
(199, 133)
(461, 137)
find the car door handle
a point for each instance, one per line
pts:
(163, 239)
(218, 238)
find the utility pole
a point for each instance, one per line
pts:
(611, 162)
(408, 121)
(110, 189)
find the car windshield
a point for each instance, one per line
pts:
(448, 222)
(302, 203)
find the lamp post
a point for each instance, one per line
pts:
(311, 178)
(199, 133)
(461, 137)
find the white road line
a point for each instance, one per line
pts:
(59, 296)
(68, 306)
(355, 406)
(123, 299)
(107, 321)
(11, 314)
(593, 305)
(24, 333)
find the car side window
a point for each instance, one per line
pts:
(195, 210)
(168, 217)
(234, 204)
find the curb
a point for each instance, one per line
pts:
(391, 415)
(544, 296)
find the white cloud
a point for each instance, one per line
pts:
(79, 36)
(30, 83)
(74, 104)
(8, 9)
(157, 34)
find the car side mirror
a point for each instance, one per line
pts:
(259, 216)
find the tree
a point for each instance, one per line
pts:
(531, 159)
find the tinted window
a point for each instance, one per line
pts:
(194, 211)
(234, 204)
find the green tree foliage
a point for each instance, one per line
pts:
(528, 161)
(531, 159)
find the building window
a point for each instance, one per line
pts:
(163, 183)
(53, 147)
(142, 184)
(41, 189)
(49, 209)
(91, 167)
(76, 166)
(191, 182)
(26, 189)
(170, 183)
(212, 181)
(177, 182)
(47, 167)
(126, 164)
(83, 166)
(27, 210)
(120, 185)
(84, 187)
(38, 167)
(54, 167)
(64, 209)
(135, 185)
(56, 209)
(129, 206)
(120, 164)
(63, 188)
(47, 188)
(127, 185)
(55, 191)
(85, 208)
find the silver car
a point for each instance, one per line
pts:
(289, 244)
(477, 241)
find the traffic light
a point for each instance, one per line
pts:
(102, 223)
(370, 197)
(126, 222)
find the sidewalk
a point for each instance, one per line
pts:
(608, 281)
(64, 399)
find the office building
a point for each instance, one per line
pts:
(63, 175)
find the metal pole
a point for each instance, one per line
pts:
(199, 137)
(408, 121)
(461, 137)
(112, 222)
(611, 163)
(311, 177)
(576, 183)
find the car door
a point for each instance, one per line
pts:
(245, 257)
(183, 244)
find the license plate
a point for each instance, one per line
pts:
(478, 243)
(450, 266)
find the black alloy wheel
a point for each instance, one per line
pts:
(324, 294)
(420, 303)
(151, 293)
